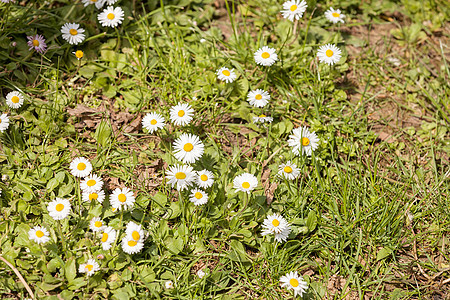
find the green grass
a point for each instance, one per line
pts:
(369, 212)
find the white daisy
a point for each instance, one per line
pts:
(14, 99)
(262, 119)
(258, 98)
(334, 15)
(198, 197)
(293, 9)
(135, 232)
(108, 237)
(265, 56)
(122, 198)
(169, 284)
(153, 121)
(188, 148)
(181, 114)
(111, 2)
(205, 179)
(329, 54)
(277, 225)
(96, 224)
(72, 33)
(39, 234)
(226, 75)
(4, 122)
(295, 282)
(78, 54)
(98, 3)
(303, 141)
(288, 170)
(90, 267)
(37, 42)
(130, 246)
(97, 195)
(180, 175)
(245, 182)
(59, 208)
(91, 183)
(111, 16)
(80, 167)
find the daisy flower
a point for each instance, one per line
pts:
(258, 98)
(91, 183)
(98, 3)
(293, 9)
(245, 182)
(90, 267)
(303, 141)
(180, 175)
(181, 114)
(153, 121)
(122, 198)
(37, 42)
(80, 167)
(265, 56)
(72, 33)
(205, 179)
(108, 237)
(288, 170)
(4, 122)
(276, 224)
(59, 208)
(334, 15)
(130, 246)
(134, 232)
(198, 197)
(188, 148)
(329, 54)
(262, 119)
(227, 75)
(14, 99)
(111, 16)
(97, 195)
(292, 281)
(169, 284)
(96, 224)
(78, 54)
(39, 234)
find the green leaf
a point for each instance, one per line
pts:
(175, 245)
(70, 269)
(311, 221)
(52, 184)
(103, 133)
(383, 253)
(237, 252)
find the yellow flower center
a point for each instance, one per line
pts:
(181, 113)
(39, 234)
(98, 224)
(275, 222)
(59, 207)
(93, 196)
(132, 243)
(245, 185)
(89, 267)
(15, 99)
(0, 120)
(135, 235)
(122, 198)
(153, 122)
(203, 177)
(79, 54)
(81, 166)
(294, 282)
(262, 116)
(94, 1)
(287, 169)
(36, 43)
(258, 97)
(265, 55)
(335, 14)
(110, 16)
(198, 195)
(329, 53)
(104, 237)
(226, 73)
(305, 141)
(293, 7)
(188, 147)
(91, 182)
(73, 31)
(180, 175)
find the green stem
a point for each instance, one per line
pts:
(63, 240)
